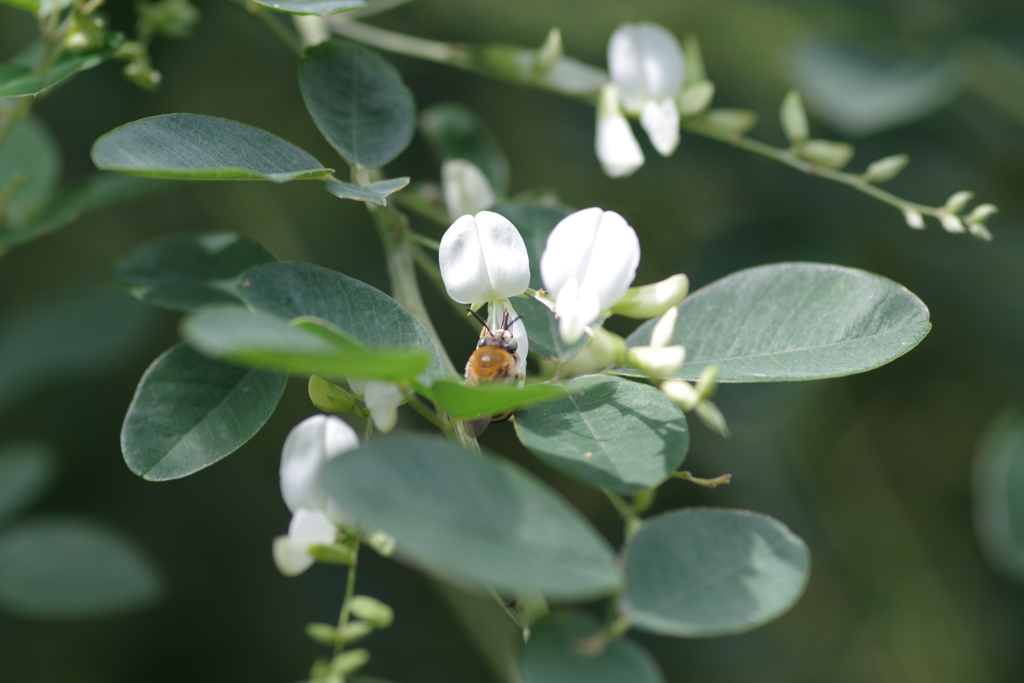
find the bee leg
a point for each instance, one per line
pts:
(502, 417)
(478, 426)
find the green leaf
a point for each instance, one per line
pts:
(320, 7)
(557, 652)
(29, 170)
(71, 568)
(238, 335)
(535, 223)
(189, 412)
(711, 572)
(619, 435)
(455, 132)
(464, 401)
(472, 519)
(793, 321)
(375, 193)
(99, 191)
(22, 81)
(26, 469)
(27, 5)
(375, 320)
(358, 101)
(184, 272)
(194, 147)
(998, 492)
(71, 335)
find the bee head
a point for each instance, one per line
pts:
(501, 337)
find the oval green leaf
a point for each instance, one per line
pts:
(358, 101)
(319, 7)
(238, 335)
(998, 492)
(368, 315)
(455, 132)
(712, 572)
(793, 321)
(67, 568)
(184, 272)
(463, 401)
(195, 147)
(473, 519)
(29, 170)
(189, 412)
(619, 435)
(26, 469)
(557, 652)
(21, 81)
(374, 193)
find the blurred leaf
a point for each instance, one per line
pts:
(472, 519)
(27, 5)
(194, 147)
(42, 7)
(26, 469)
(860, 95)
(184, 272)
(558, 652)
(712, 572)
(455, 132)
(793, 321)
(189, 412)
(21, 81)
(358, 101)
(998, 488)
(375, 193)
(29, 170)
(236, 334)
(466, 401)
(320, 7)
(66, 337)
(69, 568)
(99, 191)
(620, 435)
(371, 317)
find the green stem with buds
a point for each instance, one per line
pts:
(346, 604)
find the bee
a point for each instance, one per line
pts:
(494, 360)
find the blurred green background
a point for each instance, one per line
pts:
(873, 470)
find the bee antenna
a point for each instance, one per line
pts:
(482, 321)
(510, 324)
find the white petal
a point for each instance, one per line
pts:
(465, 188)
(496, 315)
(309, 445)
(483, 258)
(660, 118)
(645, 62)
(616, 146)
(383, 399)
(665, 328)
(291, 556)
(576, 309)
(312, 527)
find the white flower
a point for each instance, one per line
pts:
(381, 398)
(588, 264)
(309, 446)
(483, 259)
(465, 188)
(647, 65)
(616, 146)
(308, 528)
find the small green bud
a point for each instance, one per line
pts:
(980, 231)
(663, 330)
(143, 75)
(694, 60)
(168, 18)
(914, 219)
(372, 610)
(656, 362)
(707, 383)
(794, 118)
(353, 631)
(952, 223)
(695, 98)
(681, 392)
(347, 662)
(549, 53)
(604, 348)
(332, 554)
(313, 29)
(382, 543)
(886, 168)
(712, 417)
(957, 201)
(982, 213)
(827, 153)
(732, 121)
(329, 397)
(325, 634)
(651, 301)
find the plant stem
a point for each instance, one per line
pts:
(700, 481)
(431, 50)
(346, 605)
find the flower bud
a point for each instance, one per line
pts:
(382, 399)
(712, 417)
(382, 543)
(681, 392)
(731, 121)
(650, 301)
(914, 219)
(349, 661)
(696, 97)
(951, 222)
(604, 348)
(982, 213)
(827, 153)
(354, 630)
(664, 329)
(465, 187)
(980, 231)
(372, 610)
(886, 168)
(549, 53)
(329, 397)
(616, 146)
(325, 634)
(794, 118)
(312, 29)
(957, 201)
(656, 362)
(707, 383)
